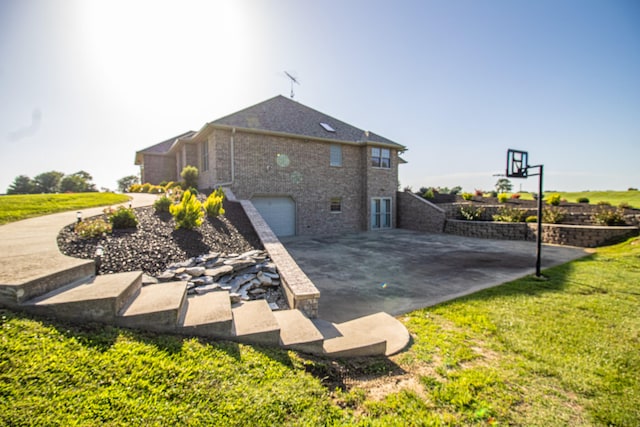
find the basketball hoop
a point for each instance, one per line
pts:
(517, 163)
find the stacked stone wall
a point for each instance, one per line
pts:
(416, 213)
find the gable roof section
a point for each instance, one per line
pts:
(162, 147)
(285, 116)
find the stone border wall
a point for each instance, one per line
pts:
(415, 213)
(299, 290)
(585, 236)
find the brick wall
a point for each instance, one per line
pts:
(158, 168)
(416, 213)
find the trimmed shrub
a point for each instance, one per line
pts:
(552, 215)
(507, 214)
(502, 197)
(605, 216)
(470, 212)
(188, 213)
(213, 204)
(190, 176)
(515, 196)
(531, 218)
(554, 199)
(583, 200)
(604, 203)
(145, 187)
(162, 204)
(122, 218)
(467, 196)
(92, 228)
(135, 188)
(429, 194)
(624, 205)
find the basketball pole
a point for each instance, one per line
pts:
(539, 233)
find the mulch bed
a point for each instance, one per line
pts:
(155, 243)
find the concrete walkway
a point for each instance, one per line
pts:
(29, 248)
(397, 271)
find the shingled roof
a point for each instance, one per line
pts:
(162, 147)
(285, 116)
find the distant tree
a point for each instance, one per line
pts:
(503, 185)
(190, 176)
(48, 182)
(79, 182)
(127, 181)
(456, 190)
(22, 184)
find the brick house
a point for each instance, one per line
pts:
(307, 173)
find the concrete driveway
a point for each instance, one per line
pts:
(397, 271)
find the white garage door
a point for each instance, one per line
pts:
(279, 212)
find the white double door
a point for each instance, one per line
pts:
(380, 213)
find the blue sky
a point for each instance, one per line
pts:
(85, 83)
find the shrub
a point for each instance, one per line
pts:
(624, 205)
(632, 189)
(531, 218)
(428, 194)
(135, 188)
(162, 204)
(188, 213)
(479, 193)
(494, 193)
(515, 196)
(507, 214)
(190, 176)
(502, 197)
(92, 228)
(122, 217)
(604, 203)
(554, 199)
(583, 200)
(552, 215)
(145, 187)
(470, 212)
(606, 216)
(467, 196)
(213, 204)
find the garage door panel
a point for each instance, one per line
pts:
(279, 212)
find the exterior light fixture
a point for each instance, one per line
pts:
(129, 205)
(79, 216)
(98, 258)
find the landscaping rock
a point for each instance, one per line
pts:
(195, 271)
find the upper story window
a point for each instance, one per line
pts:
(205, 156)
(335, 205)
(380, 157)
(335, 158)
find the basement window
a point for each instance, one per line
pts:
(336, 205)
(327, 127)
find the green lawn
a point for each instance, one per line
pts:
(15, 208)
(613, 197)
(560, 351)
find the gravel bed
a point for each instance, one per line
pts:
(155, 243)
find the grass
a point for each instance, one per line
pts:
(17, 207)
(560, 351)
(613, 197)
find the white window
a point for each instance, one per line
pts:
(336, 205)
(336, 155)
(380, 157)
(380, 213)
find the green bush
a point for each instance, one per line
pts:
(583, 200)
(122, 217)
(92, 228)
(162, 204)
(606, 216)
(188, 213)
(429, 194)
(467, 196)
(552, 215)
(213, 204)
(624, 205)
(531, 218)
(494, 193)
(604, 203)
(554, 199)
(190, 176)
(470, 212)
(502, 197)
(507, 214)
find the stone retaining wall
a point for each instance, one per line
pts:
(416, 213)
(299, 290)
(559, 234)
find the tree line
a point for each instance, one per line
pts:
(53, 182)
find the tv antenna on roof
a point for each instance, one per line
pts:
(293, 80)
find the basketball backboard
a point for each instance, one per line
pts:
(517, 163)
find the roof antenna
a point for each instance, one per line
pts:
(293, 80)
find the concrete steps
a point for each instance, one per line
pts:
(121, 299)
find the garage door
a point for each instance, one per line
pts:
(279, 212)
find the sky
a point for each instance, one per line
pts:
(84, 84)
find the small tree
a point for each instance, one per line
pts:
(79, 182)
(22, 184)
(213, 204)
(127, 181)
(503, 185)
(48, 182)
(190, 176)
(188, 213)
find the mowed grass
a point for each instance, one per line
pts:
(615, 198)
(17, 207)
(559, 351)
